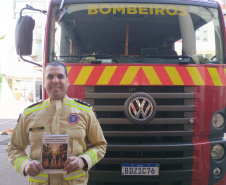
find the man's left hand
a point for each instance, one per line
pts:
(74, 164)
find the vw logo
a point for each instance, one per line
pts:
(140, 108)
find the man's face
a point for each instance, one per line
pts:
(55, 82)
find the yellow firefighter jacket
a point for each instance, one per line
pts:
(69, 116)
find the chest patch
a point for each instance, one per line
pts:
(73, 118)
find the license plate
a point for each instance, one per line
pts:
(143, 169)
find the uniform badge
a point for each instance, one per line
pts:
(73, 118)
(35, 129)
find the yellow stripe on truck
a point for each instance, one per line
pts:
(195, 75)
(151, 75)
(106, 75)
(129, 75)
(215, 76)
(174, 76)
(83, 75)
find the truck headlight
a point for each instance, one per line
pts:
(218, 121)
(217, 152)
(217, 171)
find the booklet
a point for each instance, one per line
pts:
(54, 153)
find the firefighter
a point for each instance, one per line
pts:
(50, 158)
(58, 114)
(57, 158)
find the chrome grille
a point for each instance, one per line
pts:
(174, 110)
(167, 139)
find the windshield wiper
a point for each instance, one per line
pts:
(185, 59)
(61, 5)
(100, 56)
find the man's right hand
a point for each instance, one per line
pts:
(33, 168)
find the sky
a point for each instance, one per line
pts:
(7, 23)
(7, 28)
(7, 49)
(6, 16)
(9, 64)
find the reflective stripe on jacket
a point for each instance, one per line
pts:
(74, 175)
(68, 116)
(41, 178)
(19, 161)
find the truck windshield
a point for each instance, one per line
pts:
(135, 33)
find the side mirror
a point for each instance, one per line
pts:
(24, 35)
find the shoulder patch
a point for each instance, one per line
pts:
(82, 102)
(78, 104)
(36, 107)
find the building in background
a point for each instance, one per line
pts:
(20, 81)
(223, 5)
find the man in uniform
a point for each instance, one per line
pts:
(57, 115)
(50, 158)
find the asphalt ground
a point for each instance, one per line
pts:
(9, 113)
(8, 118)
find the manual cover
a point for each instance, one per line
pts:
(54, 153)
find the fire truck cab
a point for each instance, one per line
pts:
(154, 72)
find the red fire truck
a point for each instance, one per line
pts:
(154, 71)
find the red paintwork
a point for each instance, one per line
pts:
(76, 92)
(185, 77)
(201, 161)
(141, 78)
(46, 42)
(206, 103)
(118, 75)
(222, 181)
(96, 73)
(47, 34)
(75, 71)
